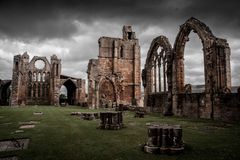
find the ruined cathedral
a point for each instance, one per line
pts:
(114, 78)
(163, 77)
(38, 82)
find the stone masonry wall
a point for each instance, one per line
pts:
(119, 64)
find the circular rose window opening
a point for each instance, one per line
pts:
(39, 64)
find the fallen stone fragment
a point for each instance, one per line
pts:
(29, 123)
(18, 131)
(27, 126)
(14, 144)
(37, 113)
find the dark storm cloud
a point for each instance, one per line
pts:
(70, 28)
(55, 19)
(32, 19)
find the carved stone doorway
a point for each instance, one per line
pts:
(107, 96)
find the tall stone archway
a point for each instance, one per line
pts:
(106, 93)
(216, 54)
(71, 91)
(157, 75)
(213, 49)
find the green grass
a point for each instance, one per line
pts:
(63, 137)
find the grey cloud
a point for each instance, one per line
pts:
(71, 28)
(54, 19)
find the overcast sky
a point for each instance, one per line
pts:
(71, 28)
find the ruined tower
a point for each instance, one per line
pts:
(114, 78)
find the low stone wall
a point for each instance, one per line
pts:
(227, 107)
(189, 105)
(157, 102)
(223, 107)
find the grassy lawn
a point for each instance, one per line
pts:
(63, 137)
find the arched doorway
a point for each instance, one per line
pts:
(63, 95)
(71, 91)
(5, 93)
(107, 95)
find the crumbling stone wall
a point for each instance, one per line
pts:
(216, 101)
(32, 85)
(114, 78)
(39, 85)
(226, 106)
(157, 76)
(216, 54)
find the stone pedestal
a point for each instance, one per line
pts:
(111, 120)
(164, 139)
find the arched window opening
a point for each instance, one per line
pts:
(68, 91)
(47, 90)
(39, 90)
(194, 64)
(121, 52)
(39, 77)
(129, 35)
(43, 90)
(57, 70)
(16, 65)
(53, 68)
(34, 90)
(30, 90)
(158, 71)
(43, 77)
(34, 77)
(30, 76)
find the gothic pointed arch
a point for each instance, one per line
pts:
(106, 93)
(157, 73)
(71, 91)
(212, 49)
(216, 55)
(153, 56)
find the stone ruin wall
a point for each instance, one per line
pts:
(216, 101)
(118, 66)
(39, 86)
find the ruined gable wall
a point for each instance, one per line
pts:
(118, 62)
